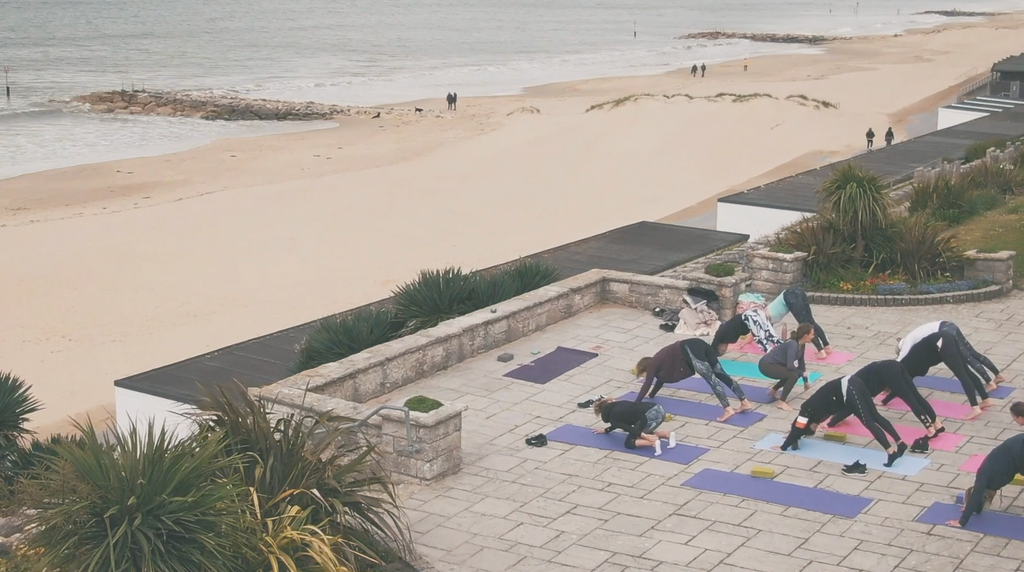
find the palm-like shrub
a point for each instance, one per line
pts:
(492, 288)
(16, 405)
(923, 249)
(335, 338)
(828, 253)
(978, 150)
(145, 501)
(944, 198)
(435, 296)
(528, 275)
(856, 200)
(1006, 179)
(313, 467)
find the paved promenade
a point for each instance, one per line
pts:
(566, 508)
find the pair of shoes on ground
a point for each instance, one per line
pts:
(538, 440)
(920, 445)
(855, 469)
(589, 403)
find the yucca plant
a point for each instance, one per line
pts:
(16, 405)
(435, 296)
(978, 150)
(1006, 179)
(292, 542)
(943, 198)
(316, 464)
(335, 338)
(492, 288)
(828, 252)
(923, 249)
(857, 201)
(144, 502)
(527, 275)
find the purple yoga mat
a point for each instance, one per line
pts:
(755, 393)
(785, 494)
(988, 522)
(696, 410)
(953, 386)
(551, 365)
(616, 441)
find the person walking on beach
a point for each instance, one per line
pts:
(998, 469)
(455, 101)
(745, 64)
(889, 137)
(683, 359)
(786, 364)
(871, 138)
(693, 70)
(640, 421)
(449, 100)
(703, 68)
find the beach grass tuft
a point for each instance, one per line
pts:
(817, 103)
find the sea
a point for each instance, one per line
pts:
(359, 52)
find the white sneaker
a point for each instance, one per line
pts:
(672, 440)
(657, 448)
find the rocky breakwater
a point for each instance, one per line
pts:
(212, 107)
(811, 39)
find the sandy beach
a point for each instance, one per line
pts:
(116, 268)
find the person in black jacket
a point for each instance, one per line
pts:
(998, 469)
(833, 396)
(941, 347)
(640, 421)
(890, 377)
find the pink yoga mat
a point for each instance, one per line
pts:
(837, 358)
(944, 442)
(942, 408)
(972, 464)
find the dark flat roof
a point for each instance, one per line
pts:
(1012, 64)
(640, 248)
(893, 164)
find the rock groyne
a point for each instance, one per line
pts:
(218, 108)
(811, 39)
(959, 13)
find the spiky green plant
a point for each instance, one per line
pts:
(1006, 179)
(923, 249)
(857, 201)
(433, 297)
(978, 150)
(16, 405)
(145, 501)
(828, 253)
(314, 463)
(528, 274)
(335, 338)
(492, 288)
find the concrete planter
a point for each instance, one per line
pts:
(996, 267)
(773, 272)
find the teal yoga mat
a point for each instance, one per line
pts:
(873, 456)
(748, 369)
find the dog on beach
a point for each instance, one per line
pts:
(418, 109)
(376, 116)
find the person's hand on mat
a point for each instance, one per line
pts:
(600, 430)
(953, 523)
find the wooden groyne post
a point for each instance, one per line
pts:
(7, 85)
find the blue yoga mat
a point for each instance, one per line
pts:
(551, 365)
(748, 369)
(874, 457)
(616, 441)
(785, 494)
(953, 386)
(703, 411)
(755, 393)
(988, 522)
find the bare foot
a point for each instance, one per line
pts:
(828, 350)
(729, 412)
(991, 386)
(746, 405)
(999, 379)
(974, 414)
(776, 447)
(821, 355)
(987, 403)
(774, 394)
(783, 406)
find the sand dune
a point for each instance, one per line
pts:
(116, 268)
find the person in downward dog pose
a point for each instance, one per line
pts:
(752, 322)
(889, 376)
(998, 469)
(794, 301)
(972, 357)
(786, 363)
(832, 397)
(640, 421)
(941, 347)
(683, 359)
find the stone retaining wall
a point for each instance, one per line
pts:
(773, 272)
(980, 295)
(996, 267)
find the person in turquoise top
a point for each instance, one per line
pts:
(794, 301)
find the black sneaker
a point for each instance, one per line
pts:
(920, 445)
(893, 457)
(589, 403)
(538, 440)
(855, 469)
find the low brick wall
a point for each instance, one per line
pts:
(773, 272)
(980, 295)
(996, 267)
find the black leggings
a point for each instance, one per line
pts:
(858, 400)
(900, 385)
(796, 302)
(975, 359)
(954, 360)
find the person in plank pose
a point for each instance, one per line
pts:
(752, 322)
(941, 347)
(640, 421)
(889, 376)
(972, 357)
(786, 364)
(832, 397)
(794, 301)
(683, 359)
(998, 469)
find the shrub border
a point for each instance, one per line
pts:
(874, 300)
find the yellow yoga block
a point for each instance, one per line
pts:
(763, 472)
(1018, 480)
(669, 417)
(835, 436)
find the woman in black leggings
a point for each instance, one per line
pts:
(794, 301)
(890, 376)
(682, 360)
(941, 347)
(835, 395)
(976, 360)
